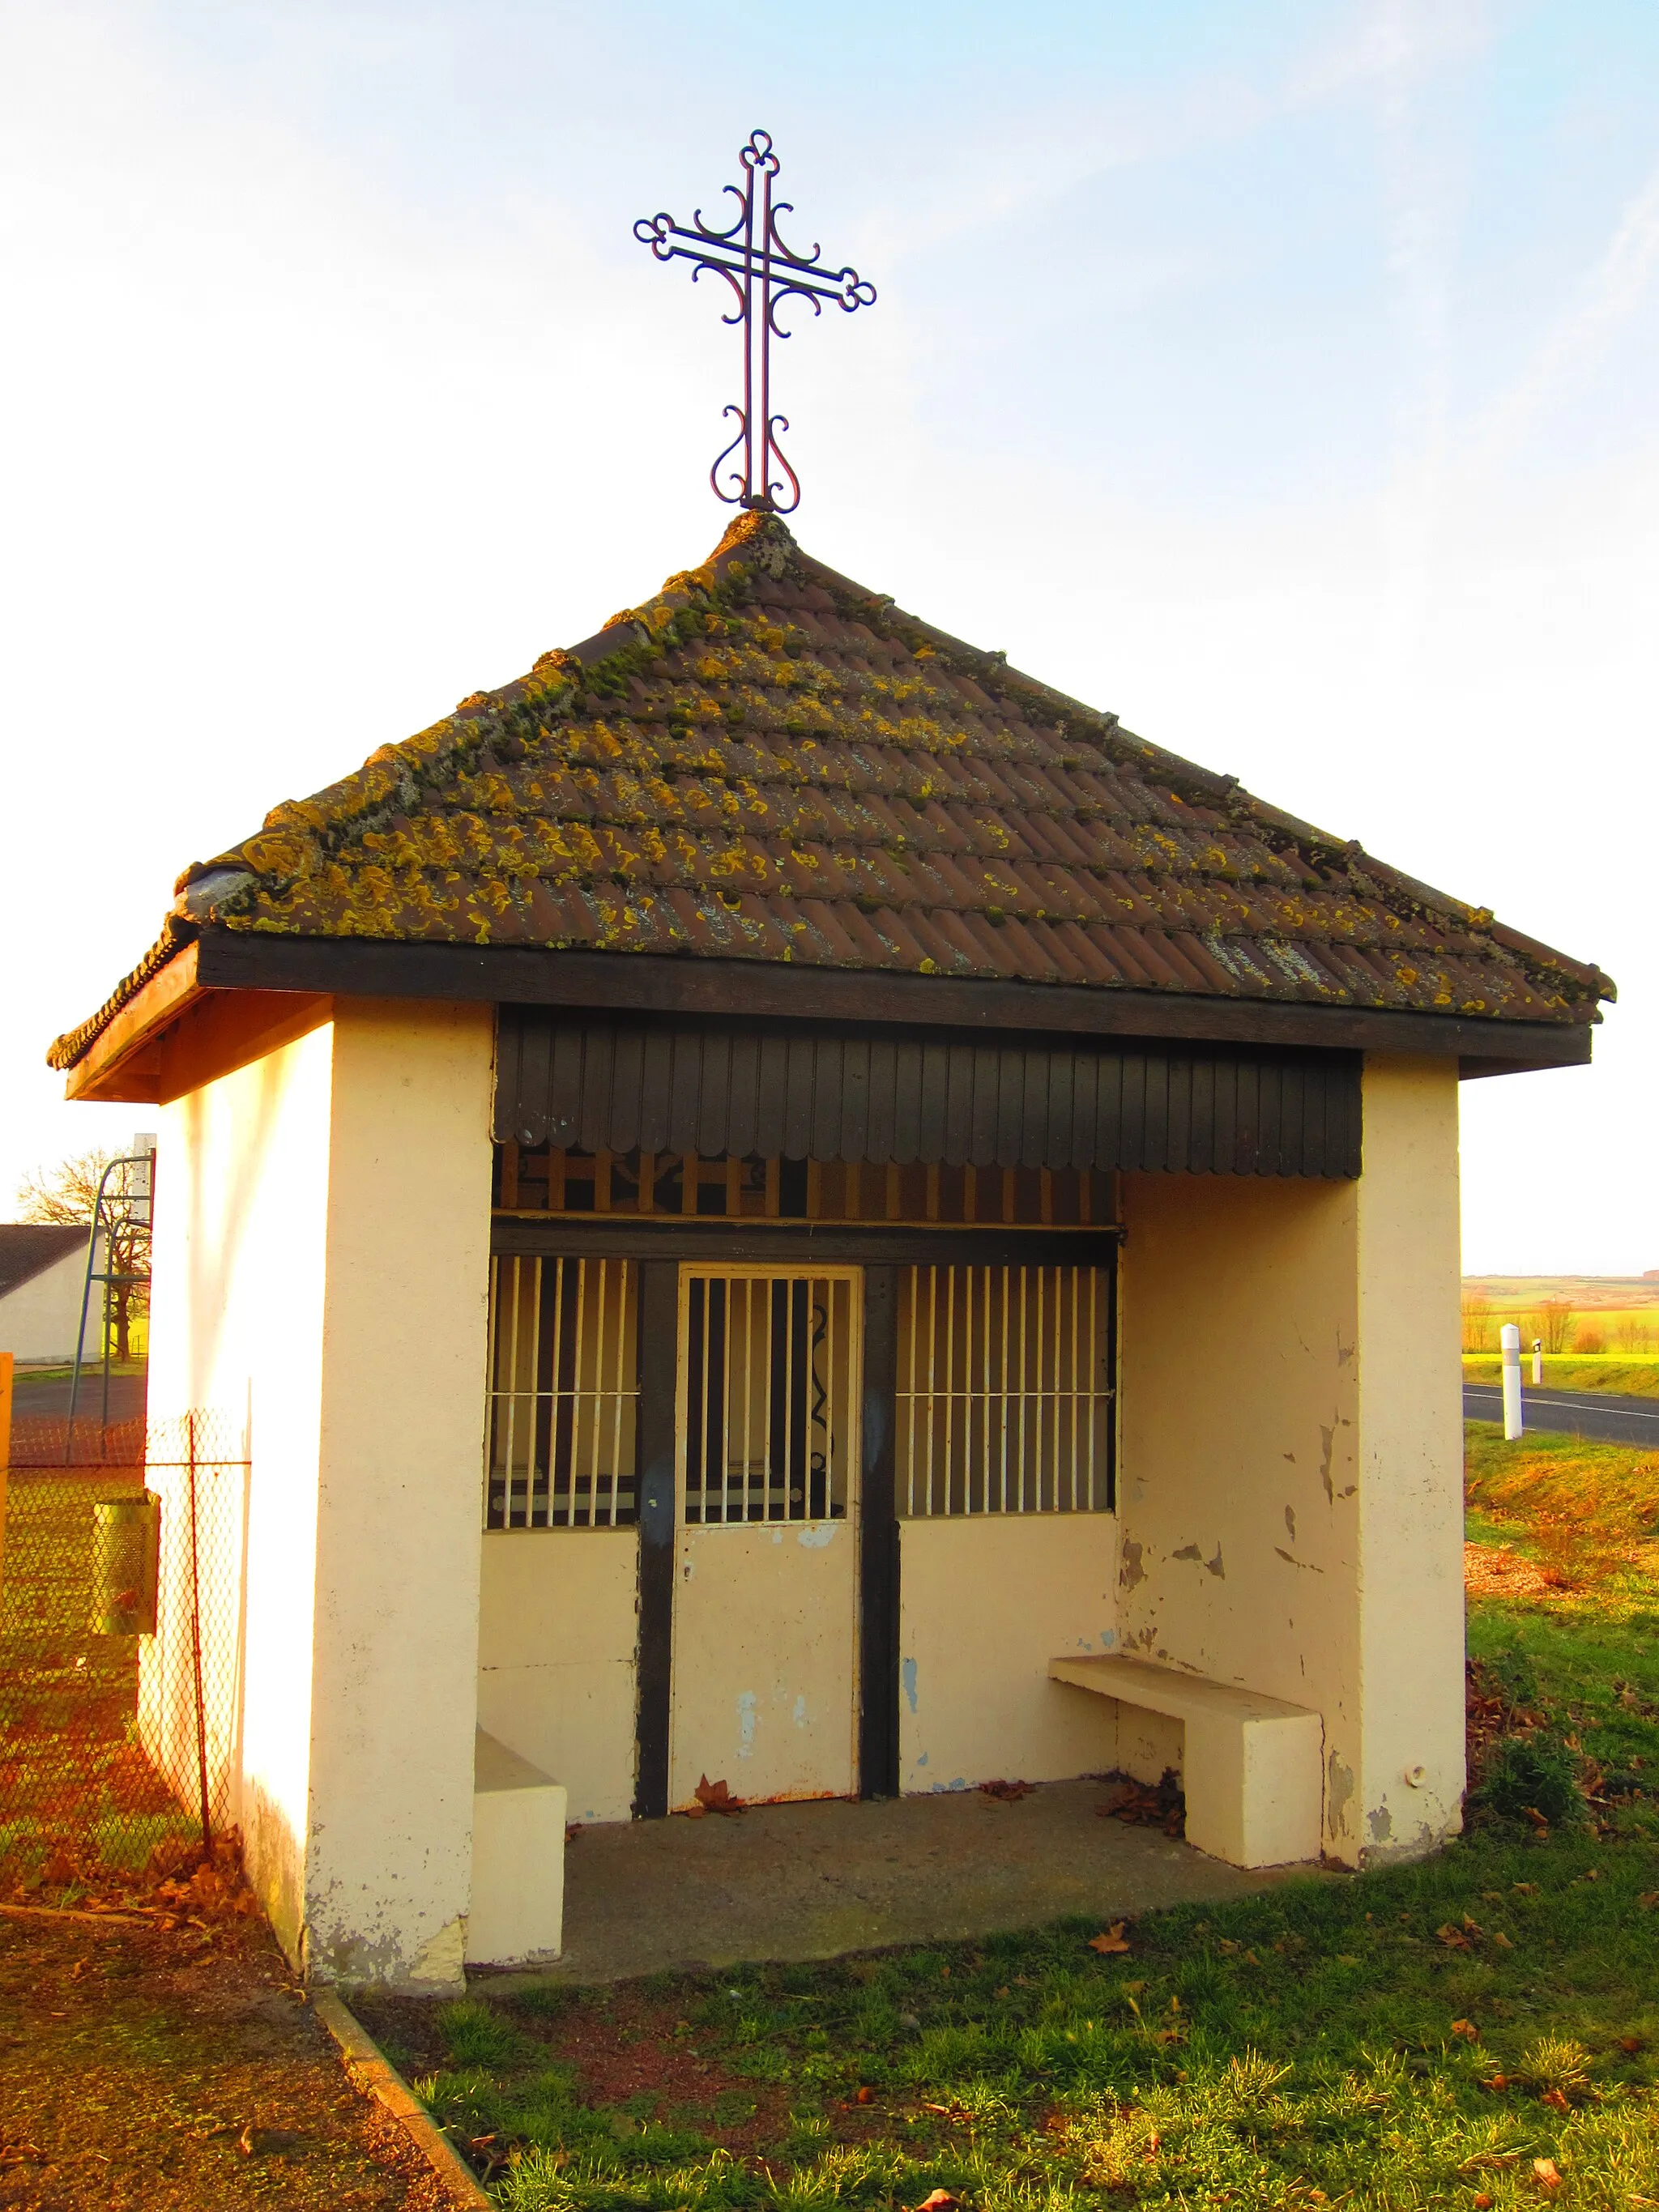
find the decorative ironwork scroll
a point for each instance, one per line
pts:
(764, 274)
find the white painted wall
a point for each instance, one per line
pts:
(321, 1267)
(38, 1318)
(1411, 1463)
(985, 1601)
(236, 1331)
(558, 1657)
(1292, 1477)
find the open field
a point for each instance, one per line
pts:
(1635, 1295)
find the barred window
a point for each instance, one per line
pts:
(1004, 1400)
(563, 1393)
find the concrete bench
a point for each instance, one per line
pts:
(1251, 1767)
(517, 1858)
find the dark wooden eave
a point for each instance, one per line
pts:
(124, 1062)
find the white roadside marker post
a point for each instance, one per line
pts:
(1510, 1338)
(1538, 1362)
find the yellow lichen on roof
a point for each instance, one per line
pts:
(767, 762)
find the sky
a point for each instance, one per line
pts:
(1276, 373)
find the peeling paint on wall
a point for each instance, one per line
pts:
(908, 1675)
(745, 1724)
(1338, 1790)
(1131, 1571)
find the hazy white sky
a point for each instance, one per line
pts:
(1277, 372)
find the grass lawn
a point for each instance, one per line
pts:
(1623, 1374)
(1480, 2030)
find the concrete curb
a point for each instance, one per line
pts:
(373, 2074)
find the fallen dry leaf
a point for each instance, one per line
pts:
(1537, 1818)
(866, 2096)
(1502, 1939)
(1497, 2081)
(1632, 2044)
(1480, 2201)
(1467, 2029)
(1557, 2098)
(1453, 1938)
(1112, 1940)
(1648, 1899)
(940, 2200)
(1006, 1793)
(716, 1796)
(1547, 2172)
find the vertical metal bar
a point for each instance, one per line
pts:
(1024, 1355)
(749, 1302)
(1076, 1275)
(196, 1638)
(513, 1343)
(1094, 1375)
(492, 1395)
(983, 1393)
(622, 1290)
(590, 1344)
(788, 1414)
(950, 1384)
(1002, 1385)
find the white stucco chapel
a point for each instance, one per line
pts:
(785, 1208)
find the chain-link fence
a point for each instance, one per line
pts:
(121, 1576)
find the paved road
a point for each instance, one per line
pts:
(1593, 1413)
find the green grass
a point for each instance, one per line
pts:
(1621, 1374)
(1321, 2042)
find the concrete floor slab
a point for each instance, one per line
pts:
(813, 1882)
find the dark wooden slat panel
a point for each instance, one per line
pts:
(564, 1087)
(909, 1086)
(797, 1112)
(711, 1119)
(852, 1136)
(593, 1114)
(1290, 1131)
(657, 1077)
(881, 1122)
(743, 1124)
(859, 1097)
(685, 1092)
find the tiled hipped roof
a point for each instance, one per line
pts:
(767, 763)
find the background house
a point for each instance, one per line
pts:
(703, 1173)
(42, 1275)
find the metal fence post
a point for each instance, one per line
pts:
(1510, 1338)
(196, 1640)
(5, 1452)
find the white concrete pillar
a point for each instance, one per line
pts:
(399, 1527)
(1405, 1789)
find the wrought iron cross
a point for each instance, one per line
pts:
(762, 274)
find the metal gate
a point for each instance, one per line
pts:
(764, 1678)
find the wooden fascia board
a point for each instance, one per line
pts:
(106, 1070)
(627, 983)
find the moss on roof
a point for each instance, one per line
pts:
(766, 761)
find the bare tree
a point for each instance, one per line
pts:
(68, 1194)
(1557, 1324)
